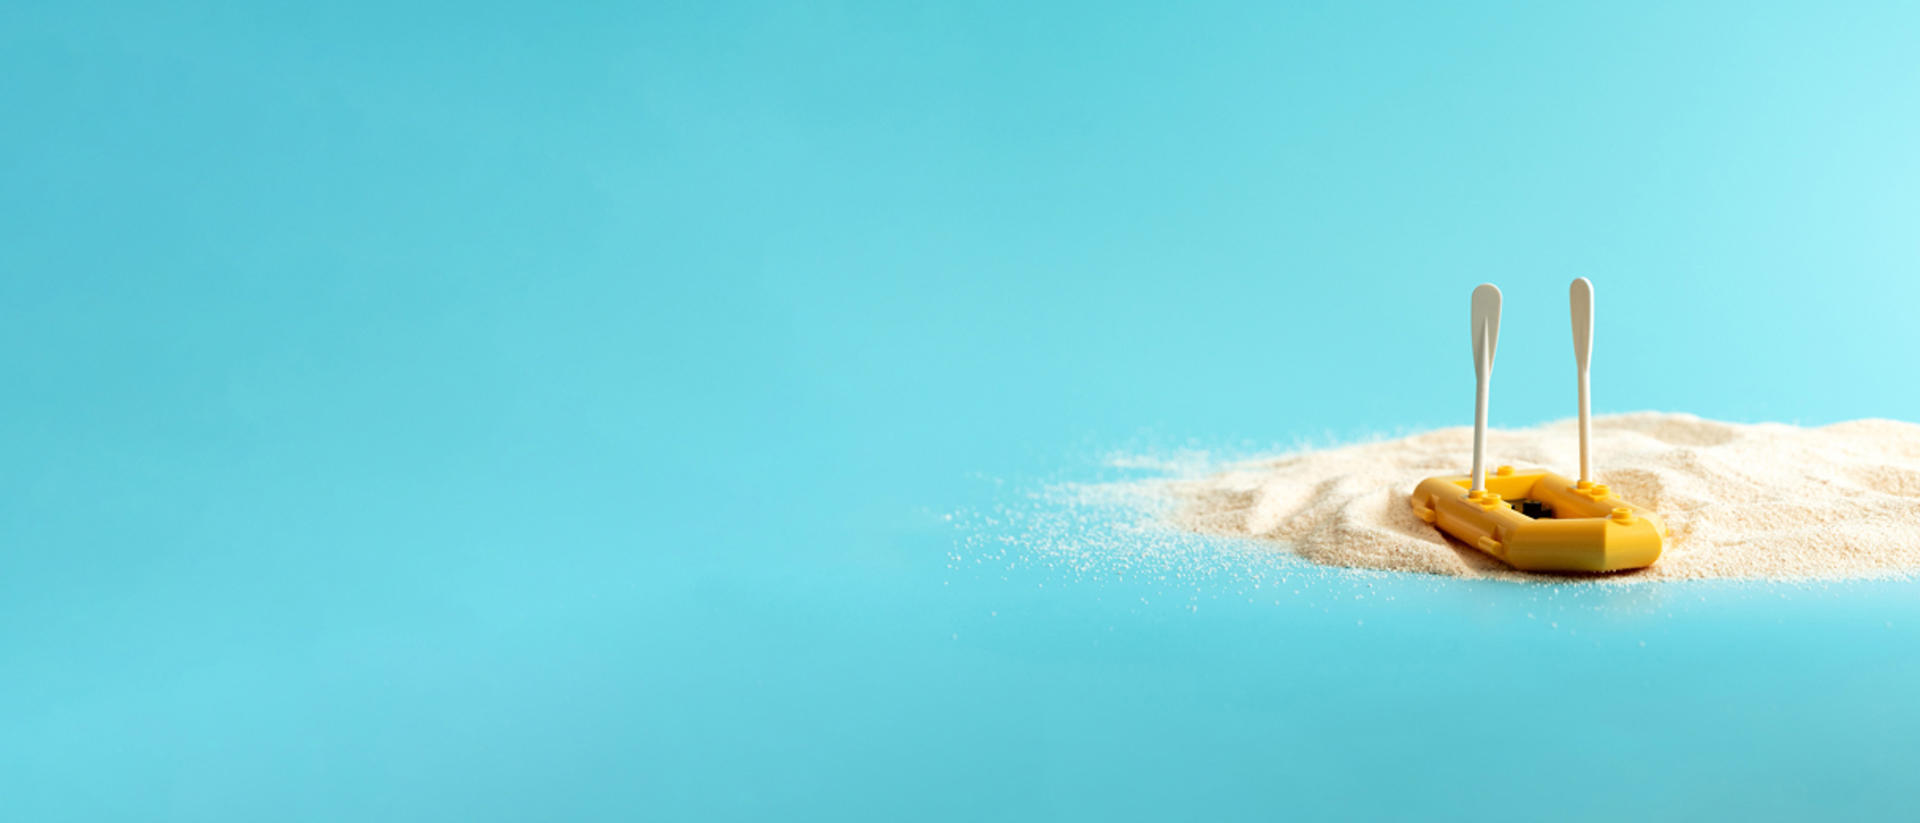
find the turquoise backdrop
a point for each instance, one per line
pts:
(549, 411)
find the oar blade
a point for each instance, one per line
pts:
(1486, 325)
(1580, 298)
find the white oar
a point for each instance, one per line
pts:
(1580, 297)
(1486, 335)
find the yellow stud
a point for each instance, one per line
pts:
(1623, 516)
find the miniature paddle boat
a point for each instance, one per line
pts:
(1536, 520)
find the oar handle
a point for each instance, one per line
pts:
(1580, 300)
(1486, 338)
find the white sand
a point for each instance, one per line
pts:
(1743, 501)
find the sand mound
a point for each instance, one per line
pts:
(1742, 501)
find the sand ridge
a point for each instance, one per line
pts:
(1768, 500)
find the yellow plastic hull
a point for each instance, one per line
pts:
(1591, 530)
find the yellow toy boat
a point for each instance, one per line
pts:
(1538, 521)
(1559, 525)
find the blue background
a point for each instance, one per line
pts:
(489, 412)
